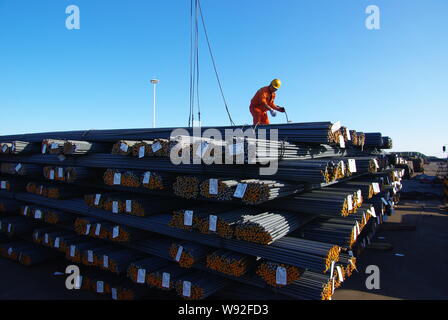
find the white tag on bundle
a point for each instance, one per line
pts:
(350, 202)
(384, 201)
(343, 167)
(141, 152)
(117, 178)
(341, 278)
(4, 148)
(280, 276)
(78, 282)
(98, 229)
(341, 142)
(90, 256)
(188, 218)
(332, 269)
(350, 253)
(97, 199)
(115, 206)
(352, 165)
(54, 145)
(349, 136)
(359, 196)
(358, 230)
(9, 228)
(376, 187)
(10, 251)
(57, 243)
(18, 167)
(87, 229)
(51, 174)
(129, 206)
(146, 177)
(44, 148)
(179, 253)
(213, 186)
(61, 157)
(60, 172)
(124, 147)
(37, 214)
(46, 238)
(166, 280)
(141, 276)
(202, 149)
(156, 147)
(240, 190)
(115, 232)
(355, 235)
(335, 127)
(186, 290)
(72, 251)
(114, 294)
(105, 261)
(41, 189)
(100, 287)
(213, 221)
(3, 185)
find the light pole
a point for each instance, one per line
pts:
(154, 82)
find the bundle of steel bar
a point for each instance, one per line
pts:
(190, 219)
(123, 147)
(310, 286)
(19, 147)
(55, 191)
(230, 263)
(318, 202)
(73, 252)
(187, 187)
(43, 235)
(165, 278)
(198, 286)
(153, 148)
(267, 227)
(70, 174)
(12, 184)
(373, 140)
(93, 227)
(220, 189)
(188, 254)
(52, 146)
(9, 205)
(26, 253)
(278, 274)
(130, 179)
(387, 143)
(21, 169)
(138, 271)
(16, 226)
(362, 189)
(93, 254)
(117, 260)
(52, 216)
(76, 148)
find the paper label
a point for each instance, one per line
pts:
(349, 136)
(240, 190)
(18, 167)
(105, 261)
(280, 276)
(376, 187)
(341, 142)
(375, 161)
(179, 253)
(213, 221)
(60, 172)
(115, 206)
(90, 256)
(213, 186)
(41, 189)
(372, 212)
(129, 206)
(350, 202)
(384, 201)
(359, 196)
(4, 148)
(72, 251)
(141, 152)
(54, 145)
(97, 199)
(352, 165)
(124, 147)
(37, 214)
(141, 276)
(186, 289)
(57, 243)
(188, 218)
(156, 147)
(343, 167)
(9, 228)
(114, 294)
(147, 177)
(117, 178)
(98, 229)
(51, 174)
(341, 278)
(3, 185)
(350, 253)
(46, 238)
(61, 157)
(115, 232)
(358, 230)
(355, 234)
(166, 280)
(44, 148)
(87, 229)
(335, 127)
(100, 287)
(332, 269)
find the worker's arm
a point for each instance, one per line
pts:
(265, 103)
(275, 107)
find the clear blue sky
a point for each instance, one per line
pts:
(392, 80)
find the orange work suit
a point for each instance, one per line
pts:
(263, 97)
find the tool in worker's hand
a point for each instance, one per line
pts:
(287, 119)
(273, 113)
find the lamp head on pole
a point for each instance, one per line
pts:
(155, 81)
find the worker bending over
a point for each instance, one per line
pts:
(263, 101)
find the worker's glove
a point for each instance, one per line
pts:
(282, 110)
(273, 113)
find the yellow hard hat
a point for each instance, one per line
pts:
(276, 83)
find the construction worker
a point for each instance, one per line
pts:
(263, 101)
